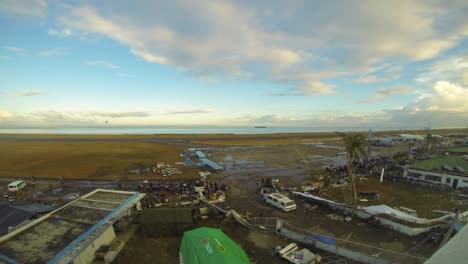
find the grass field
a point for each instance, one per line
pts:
(264, 141)
(460, 149)
(80, 159)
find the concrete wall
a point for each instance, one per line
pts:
(349, 254)
(87, 256)
(404, 229)
(444, 177)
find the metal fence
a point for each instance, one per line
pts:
(349, 249)
(264, 224)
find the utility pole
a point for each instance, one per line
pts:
(449, 232)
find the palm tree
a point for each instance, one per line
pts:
(355, 148)
(430, 143)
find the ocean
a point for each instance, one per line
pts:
(180, 130)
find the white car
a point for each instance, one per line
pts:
(16, 186)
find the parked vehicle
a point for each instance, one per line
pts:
(16, 186)
(280, 201)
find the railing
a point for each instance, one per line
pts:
(348, 249)
(264, 224)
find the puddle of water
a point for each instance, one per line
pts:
(248, 185)
(238, 177)
(321, 145)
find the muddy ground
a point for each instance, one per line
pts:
(293, 164)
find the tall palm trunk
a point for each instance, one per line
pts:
(352, 187)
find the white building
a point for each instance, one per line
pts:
(448, 170)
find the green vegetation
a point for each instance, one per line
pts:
(437, 163)
(459, 149)
(261, 141)
(80, 159)
(355, 148)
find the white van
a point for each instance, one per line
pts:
(16, 186)
(280, 201)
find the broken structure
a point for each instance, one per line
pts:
(449, 170)
(76, 232)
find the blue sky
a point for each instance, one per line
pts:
(234, 63)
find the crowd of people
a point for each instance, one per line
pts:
(370, 167)
(182, 188)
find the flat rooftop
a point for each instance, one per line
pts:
(64, 233)
(436, 164)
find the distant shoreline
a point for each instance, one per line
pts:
(313, 134)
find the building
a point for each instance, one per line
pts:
(99, 221)
(447, 170)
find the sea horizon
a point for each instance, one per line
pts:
(194, 130)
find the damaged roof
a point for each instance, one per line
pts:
(61, 235)
(437, 164)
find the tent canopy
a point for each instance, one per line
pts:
(209, 245)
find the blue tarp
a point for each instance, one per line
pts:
(458, 226)
(325, 239)
(211, 164)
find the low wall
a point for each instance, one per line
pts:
(404, 229)
(356, 256)
(353, 251)
(401, 228)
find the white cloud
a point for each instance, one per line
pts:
(230, 42)
(190, 111)
(53, 52)
(444, 106)
(266, 119)
(453, 69)
(22, 93)
(446, 97)
(126, 75)
(382, 73)
(315, 87)
(64, 32)
(385, 92)
(367, 79)
(54, 118)
(121, 114)
(17, 50)
(5, 114)
(23, 7)
(102, 63)
(275, 39)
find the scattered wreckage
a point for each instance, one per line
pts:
(293, 254)
(403, 222)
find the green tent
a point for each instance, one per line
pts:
(209, 245)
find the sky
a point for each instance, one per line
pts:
(391, 64)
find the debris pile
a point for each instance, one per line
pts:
(160, 168)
